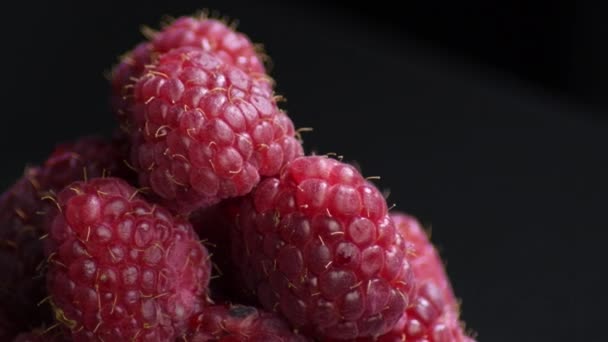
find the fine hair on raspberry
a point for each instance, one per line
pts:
(317, 245)
(433, 314)
(120, 268)
(205, 130)
(208, 34)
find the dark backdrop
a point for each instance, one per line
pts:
(485, 119)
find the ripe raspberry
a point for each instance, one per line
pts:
(23, 222)
(238, 323)
(88, 157)
(426, 262)
(123, 269)
(124, 74)
(214, 36)
(433, 314)
(317, 245)
(21, 285)
(206, 131)
(211, 35)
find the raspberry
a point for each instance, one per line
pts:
(211, 35)
(122, 269)
(239, 323)
(317, 245)
(123, 75)
(23, 223)
(433, 314)
(206, 131)
(21, 285)
(426, 262)
(88, 157)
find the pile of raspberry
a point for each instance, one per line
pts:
(202, 219)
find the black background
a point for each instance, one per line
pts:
(490, 113)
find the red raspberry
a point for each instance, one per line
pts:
(88, 157)
(211, 35)
(317, 245)
(426, 262)
(433, 313)
(123, 76)
(123, 269)
(23, 223)
(206, 131)
(238, 323)
(21, 283)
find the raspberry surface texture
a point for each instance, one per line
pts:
(433, 313)
(317, 245)
(21, 280)
(239, 323)
(87, 157)
(24, 221)
(120, 268)
(206, 131)
(210, 35)
(425, 260)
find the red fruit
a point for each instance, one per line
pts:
(213, 36)
(206, 131)
(433, 313)
(23, 222)
(426, 262)
(238, 323)
(123, 269)
(317, 245)
(210, 35)
(88, 157)
(21, 283)
(123, 76)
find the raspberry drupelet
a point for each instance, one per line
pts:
(317, 245)
(24, 222)
(210, 35)
(206, 131)
(121, 269)
(239, 323)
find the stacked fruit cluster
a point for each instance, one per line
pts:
(202, 220)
